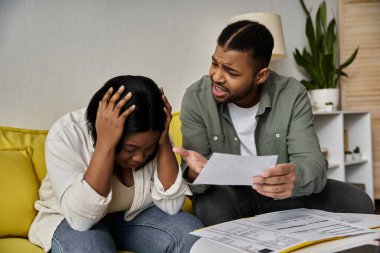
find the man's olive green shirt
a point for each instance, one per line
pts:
(284, 128)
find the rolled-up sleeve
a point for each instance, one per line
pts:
(82, 205)
(79, 203)
(171, 200)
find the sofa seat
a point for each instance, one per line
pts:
(18, 245)
(22, 245)
(22, 169)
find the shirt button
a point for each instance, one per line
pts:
(235, 139)
(278, 135)
(215, 138)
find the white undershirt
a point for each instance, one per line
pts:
(244, 121)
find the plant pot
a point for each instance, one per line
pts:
(348, 157)
(329, 108)
(357, 156)
(320, 97)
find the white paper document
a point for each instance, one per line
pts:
(280, 231)
(352, 218)
(227, 169)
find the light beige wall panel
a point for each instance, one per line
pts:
(359, 25)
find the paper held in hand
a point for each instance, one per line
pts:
(227, 169)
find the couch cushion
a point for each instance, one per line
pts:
(18, 245)
(18, 192)
(16, 137)
(175, 132)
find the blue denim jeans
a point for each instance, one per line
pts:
(150, 231)
(234, 202)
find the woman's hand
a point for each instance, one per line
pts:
(109, 122)
(167, 166)
(164, 138)
(109, 128)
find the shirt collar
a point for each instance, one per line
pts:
(266, 95)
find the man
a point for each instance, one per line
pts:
(244, 108)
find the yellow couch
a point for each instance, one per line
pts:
(22, 168)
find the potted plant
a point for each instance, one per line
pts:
(320, 61)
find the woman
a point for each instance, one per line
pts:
(112, 179)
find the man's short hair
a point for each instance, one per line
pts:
(248, 36)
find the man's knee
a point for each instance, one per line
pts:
(217, 205)
(347, 198)
(360, 201)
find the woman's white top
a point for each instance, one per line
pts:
(64, 194)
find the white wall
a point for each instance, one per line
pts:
(55, 54)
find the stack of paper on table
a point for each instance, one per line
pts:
(285, 231)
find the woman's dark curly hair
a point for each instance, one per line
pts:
(146, 95)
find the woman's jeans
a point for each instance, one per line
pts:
(150, 231)
(224, 203)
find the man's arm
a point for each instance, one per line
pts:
(194, 137)
(305, 173)
(304, 149)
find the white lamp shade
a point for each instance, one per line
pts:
(273, 23)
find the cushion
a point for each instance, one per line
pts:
(18, 245)
(175, 132)
(18, 192)
(17, 137)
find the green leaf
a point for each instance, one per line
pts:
(350, 59)
(340, 72)
(320, 22)
(330, 37)
(320, 61)
(309, 85)
(310, 36)
(307, 12)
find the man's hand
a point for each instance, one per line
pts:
(194, 160)
(277, 182)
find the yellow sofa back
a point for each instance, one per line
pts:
(34, 139)
(175, 133)
(22, 168)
